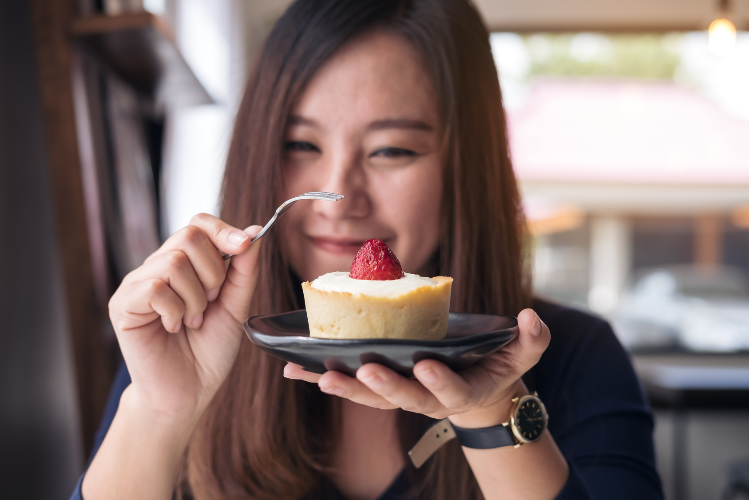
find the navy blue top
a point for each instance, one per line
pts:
(598, 415)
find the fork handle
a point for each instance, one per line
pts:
(281, 210)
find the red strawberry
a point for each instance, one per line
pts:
(375, 261)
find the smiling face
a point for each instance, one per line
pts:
(367, 126)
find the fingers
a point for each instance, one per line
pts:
(449, 388)
(533, 339)
(400, 391)
(242, 275)
(296, 372)
(203, 254)
(152, 299)
(174, 271)
(437, 392)
(338, 384)
(177, 271)
(202, 240)
(226, 238)
(191, 264)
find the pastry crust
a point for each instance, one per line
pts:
(421, 314)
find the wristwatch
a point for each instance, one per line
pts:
(528, 421)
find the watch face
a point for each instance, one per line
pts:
(530, 420)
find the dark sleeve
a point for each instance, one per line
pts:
(597, 412)
(122, 380)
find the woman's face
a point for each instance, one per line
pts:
(367, 126)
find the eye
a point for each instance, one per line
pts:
(302, 146)
(393, 153)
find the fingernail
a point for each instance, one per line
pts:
(428, 375)
(373, 382)
(213, 294)
(537, 328)
(237, 238)
(333, 390)
(198, 320)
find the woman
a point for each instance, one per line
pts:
(396, 105)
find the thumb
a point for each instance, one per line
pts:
(533, 339)
(242, 275)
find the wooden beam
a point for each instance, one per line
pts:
(93, 357)
(140, 48)
(709, 239)
(100, 24)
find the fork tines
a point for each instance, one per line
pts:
(324, 195)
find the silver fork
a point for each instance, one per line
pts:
(313, 195)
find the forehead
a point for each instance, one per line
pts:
(379, 75)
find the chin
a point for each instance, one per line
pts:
(313, 271)
(332, 267)
(328, 263)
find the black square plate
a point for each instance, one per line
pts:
(470, 337)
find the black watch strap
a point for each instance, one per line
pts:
(442, 432)
(486, 437)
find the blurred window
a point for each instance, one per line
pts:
(682, 58)
(632, 155)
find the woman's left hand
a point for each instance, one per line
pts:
(479, 396)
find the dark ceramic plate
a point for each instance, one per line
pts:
(470, 337)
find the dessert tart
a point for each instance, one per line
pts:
(376, 299)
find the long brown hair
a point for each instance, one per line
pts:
(265, 437)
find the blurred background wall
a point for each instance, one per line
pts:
(40, 440)
(629, 135)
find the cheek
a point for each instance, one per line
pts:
(411, 207)
(289, 225)
(289, 234)
(296, 179)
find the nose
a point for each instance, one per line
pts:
(345, 175)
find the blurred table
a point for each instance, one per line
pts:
(684, 381)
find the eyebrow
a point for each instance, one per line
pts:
(301, 120)
(376, 125)
(399, 123)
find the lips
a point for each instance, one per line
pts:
(337, 246)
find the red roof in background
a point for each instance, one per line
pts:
(623, 131)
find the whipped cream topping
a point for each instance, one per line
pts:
(341, 282)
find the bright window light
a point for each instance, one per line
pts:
(722, 37)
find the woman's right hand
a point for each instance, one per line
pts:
(178, 317)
